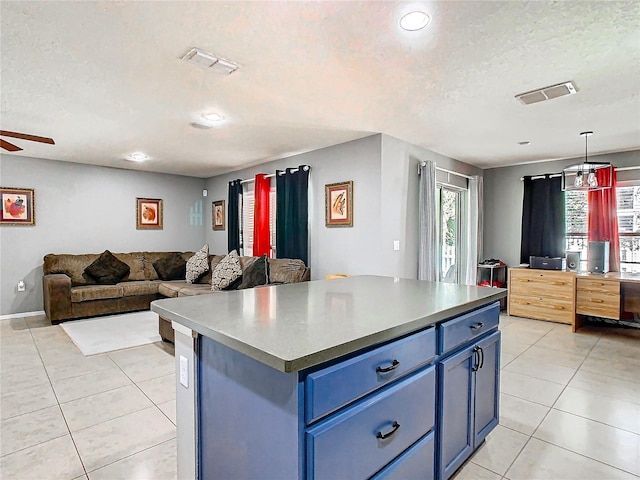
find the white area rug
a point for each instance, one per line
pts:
(115, 332)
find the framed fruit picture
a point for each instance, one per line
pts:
(18, 206)
(148, 213)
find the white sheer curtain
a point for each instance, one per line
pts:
(474, 230)
(427, 260)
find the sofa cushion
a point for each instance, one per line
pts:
(198, 265)
(227, 272)
(194, 289)
(171, 267)
(171, 289)
(107, 269)
(286, 270)
(143, 287)
(95, 292)
(135, 260)
(151, 257)
(71, 265)
(255, 274)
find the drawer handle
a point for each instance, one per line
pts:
(395, 364)
(477, 326)
(384, 436)
(597, 300)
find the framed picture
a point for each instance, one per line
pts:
(18, 206)
(339, 204)
(217, 215)
(148, 213)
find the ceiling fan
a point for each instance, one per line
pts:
(10, 147)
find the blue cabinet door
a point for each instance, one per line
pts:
(455, 412)
(487, 387)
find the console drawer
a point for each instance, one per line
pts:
(463, 329)
(417, 463)
(596, 297)
(347, 445)
(330, 388)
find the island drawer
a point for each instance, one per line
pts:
(333, 387)
(359, 441)
(467, 327)
(417, 463)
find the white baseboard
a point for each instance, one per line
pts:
(20, 315)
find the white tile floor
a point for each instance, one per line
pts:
(570, 407)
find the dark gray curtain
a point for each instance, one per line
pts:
(292, 213)
(233, 215)
(543, 223)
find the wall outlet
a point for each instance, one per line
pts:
(396, 245)
(184, 371)
(21, 286)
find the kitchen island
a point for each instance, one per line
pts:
(362, 377)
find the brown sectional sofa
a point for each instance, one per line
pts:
(70, 294)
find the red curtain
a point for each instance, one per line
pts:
(261, 233)
(603, 216)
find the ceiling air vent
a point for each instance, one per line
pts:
(209, 60)
(547, 93)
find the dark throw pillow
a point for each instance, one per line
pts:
(107, 269)
(256, 274)
(171, 267)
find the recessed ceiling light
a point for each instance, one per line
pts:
(137, 157)
(524, 143)
(415, 21)
(213, 117)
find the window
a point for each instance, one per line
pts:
(576, 212)
(248, 205)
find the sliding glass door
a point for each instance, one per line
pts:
(449, 206)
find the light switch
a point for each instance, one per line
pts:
(396, 245)
(184, 371)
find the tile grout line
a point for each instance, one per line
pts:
(550, 408)
(58, 401)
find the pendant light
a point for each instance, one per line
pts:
(591, 168)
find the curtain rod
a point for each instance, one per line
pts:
(249, 180)
(553, 175)
(447, 171)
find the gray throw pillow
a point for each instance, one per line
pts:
(198, 265)
(107, 269)
(227, 272)
(256, 274)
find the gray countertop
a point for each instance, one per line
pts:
(296, 326)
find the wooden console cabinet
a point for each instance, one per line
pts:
(542, 294)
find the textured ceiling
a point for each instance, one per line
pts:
(105, 79)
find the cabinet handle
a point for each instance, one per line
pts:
(481, 352)
(597, 300)
(476, 359)
(477, 326)
(384, 436)
(395, 364)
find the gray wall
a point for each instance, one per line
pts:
(331, 250)
(385, 176)
(399, 194)
(503, 192)
(87, 209)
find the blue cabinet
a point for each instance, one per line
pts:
(467, 400)
(412, 408)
